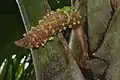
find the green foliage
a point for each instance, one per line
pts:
(14, 68)
(11, 29)
(67, 8)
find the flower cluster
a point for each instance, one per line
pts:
(50, 25)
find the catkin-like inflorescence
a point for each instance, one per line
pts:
(51, 24)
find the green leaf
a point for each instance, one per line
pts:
(19, 71)
(67, 8)
(9, 74)
(2, 74)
